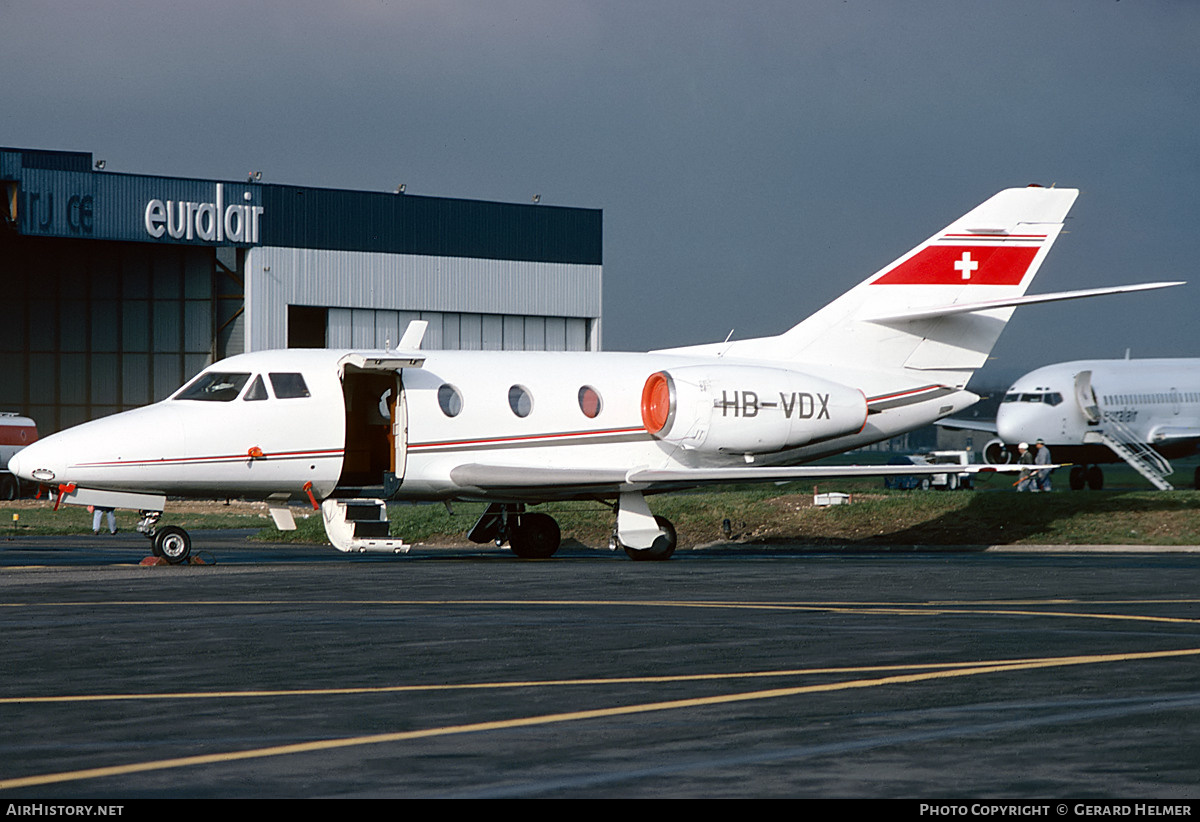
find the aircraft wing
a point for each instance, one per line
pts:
(799, 472)
(1167, 434)
(967, 425)
(477, 475)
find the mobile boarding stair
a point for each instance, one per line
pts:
(360, 525)
(1125, 444)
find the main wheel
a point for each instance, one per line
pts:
(535, 536)
(1078, 477)
(173, 544)
(659, 551)
(1095, 478)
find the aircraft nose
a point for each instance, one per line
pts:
(37, 462)
(1016, 422)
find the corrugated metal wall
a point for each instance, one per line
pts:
(380, 328)
(487, 304)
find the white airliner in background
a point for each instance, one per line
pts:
(518, 428)
(1096, 411)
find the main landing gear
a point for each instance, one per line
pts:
(533, 535)
(170, 542)
(1089, 476)
(529, 535)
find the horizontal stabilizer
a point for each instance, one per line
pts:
(1032, 299)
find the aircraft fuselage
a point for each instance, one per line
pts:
(253, 433)
(1158, 400)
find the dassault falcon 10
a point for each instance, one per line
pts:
(334, 427)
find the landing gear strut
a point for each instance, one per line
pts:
(533, 535)
(642, 535)
(662, 548)
(529, 535)
(1089, 476)
(170, 542)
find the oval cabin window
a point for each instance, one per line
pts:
(589, 402)
(450, 400)
(520, 400)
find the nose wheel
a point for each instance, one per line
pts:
(173, 544)
(170, 542)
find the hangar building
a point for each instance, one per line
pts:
(118, 287)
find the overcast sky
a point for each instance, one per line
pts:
(752, 160)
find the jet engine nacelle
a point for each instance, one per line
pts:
(996, 453)
(748, 409)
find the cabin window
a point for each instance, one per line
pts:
(289, 386)
(257, 390)
(589, 402)
(214, 386)
(450, 400)
(520, 400)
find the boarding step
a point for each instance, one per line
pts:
(1140, 456)
(360, 525)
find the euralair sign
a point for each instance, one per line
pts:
(217, 221)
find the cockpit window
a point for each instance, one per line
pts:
(214, 386)
(256, 391)
(289, 386)
(1049, 397)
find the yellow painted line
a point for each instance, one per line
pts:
(891, 609)
(532, 683)
(936, 611)
(570, 716)
(748, 605)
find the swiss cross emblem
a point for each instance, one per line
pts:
(966, 265)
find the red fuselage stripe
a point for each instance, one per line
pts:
(332, 452)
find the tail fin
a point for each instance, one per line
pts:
(902, 316)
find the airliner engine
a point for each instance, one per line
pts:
(748, 409)
(996, 453)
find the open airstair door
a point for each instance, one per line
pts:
(1085, 395)
(376, 423)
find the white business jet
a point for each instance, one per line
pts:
(1101, 411)
(518, 428)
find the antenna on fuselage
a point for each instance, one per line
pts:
(728, 337)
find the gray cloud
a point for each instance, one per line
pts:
(752, 162)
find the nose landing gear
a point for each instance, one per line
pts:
(170, 542)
